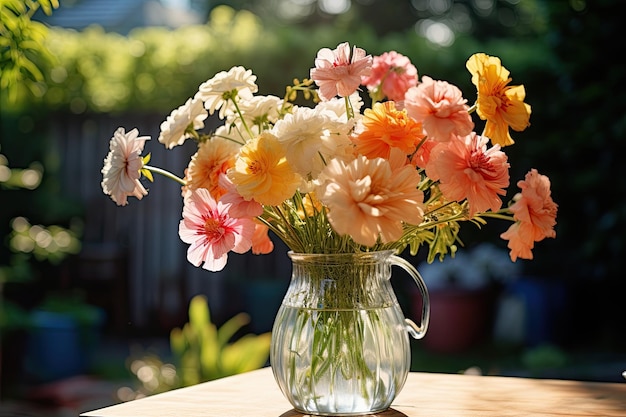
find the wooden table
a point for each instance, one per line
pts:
(255, 394)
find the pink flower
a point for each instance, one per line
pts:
(336, 73)
(239, 207)
(466, 169)
(122, 166)
(370, 199)
(392, 75)
(211, 231)
(441, 108)
(535, 215)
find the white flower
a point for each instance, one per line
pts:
(311, 137)
(338, 106)
(473, 269)
(122, 166)
(261, 109)
(173, 129)
(237, 82)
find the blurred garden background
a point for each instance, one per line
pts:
(74, 72)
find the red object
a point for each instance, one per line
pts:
(459, 319)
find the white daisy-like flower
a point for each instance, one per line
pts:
(216, 92)
(122, 166)
(174, 128)
(261, 109)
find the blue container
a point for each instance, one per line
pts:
(58, 346)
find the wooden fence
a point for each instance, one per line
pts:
(156, 279)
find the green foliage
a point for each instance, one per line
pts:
(576, 121)
(202, 352)
(22, 49)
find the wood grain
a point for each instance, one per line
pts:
(255, 394)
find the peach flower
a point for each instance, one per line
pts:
(466, 169)
(213, 158)
(501, 105)
(386, 128)
(338, 73)
(392, 75)
(440, 106)
(535, 215)
(370, 199)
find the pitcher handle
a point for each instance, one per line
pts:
(417, 332)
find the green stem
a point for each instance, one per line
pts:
(165, 174)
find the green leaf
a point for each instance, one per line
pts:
(228, 329)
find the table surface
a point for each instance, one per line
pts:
(256, 394)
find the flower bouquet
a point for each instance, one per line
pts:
(340, 177)
(332, 179)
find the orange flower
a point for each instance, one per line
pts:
(214, 157)
(370, 199)
(466, 169)
(535, 215)
(262, 172)
(501, 105)
(386, 128)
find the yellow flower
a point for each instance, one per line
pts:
(262, 173)
(501, 105)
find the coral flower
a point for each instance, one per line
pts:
(261, 242)
(535, 215)
(211, 231)
(440, 106)
(466, 169)
(386, 128)
(421, 157)
(213, 158)
(370, 199)
(262, 173)
(501, 105)
(175, 129)
(338, 73)
(392, 75)
(122, 166)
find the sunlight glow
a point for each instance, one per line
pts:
(437, 33)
